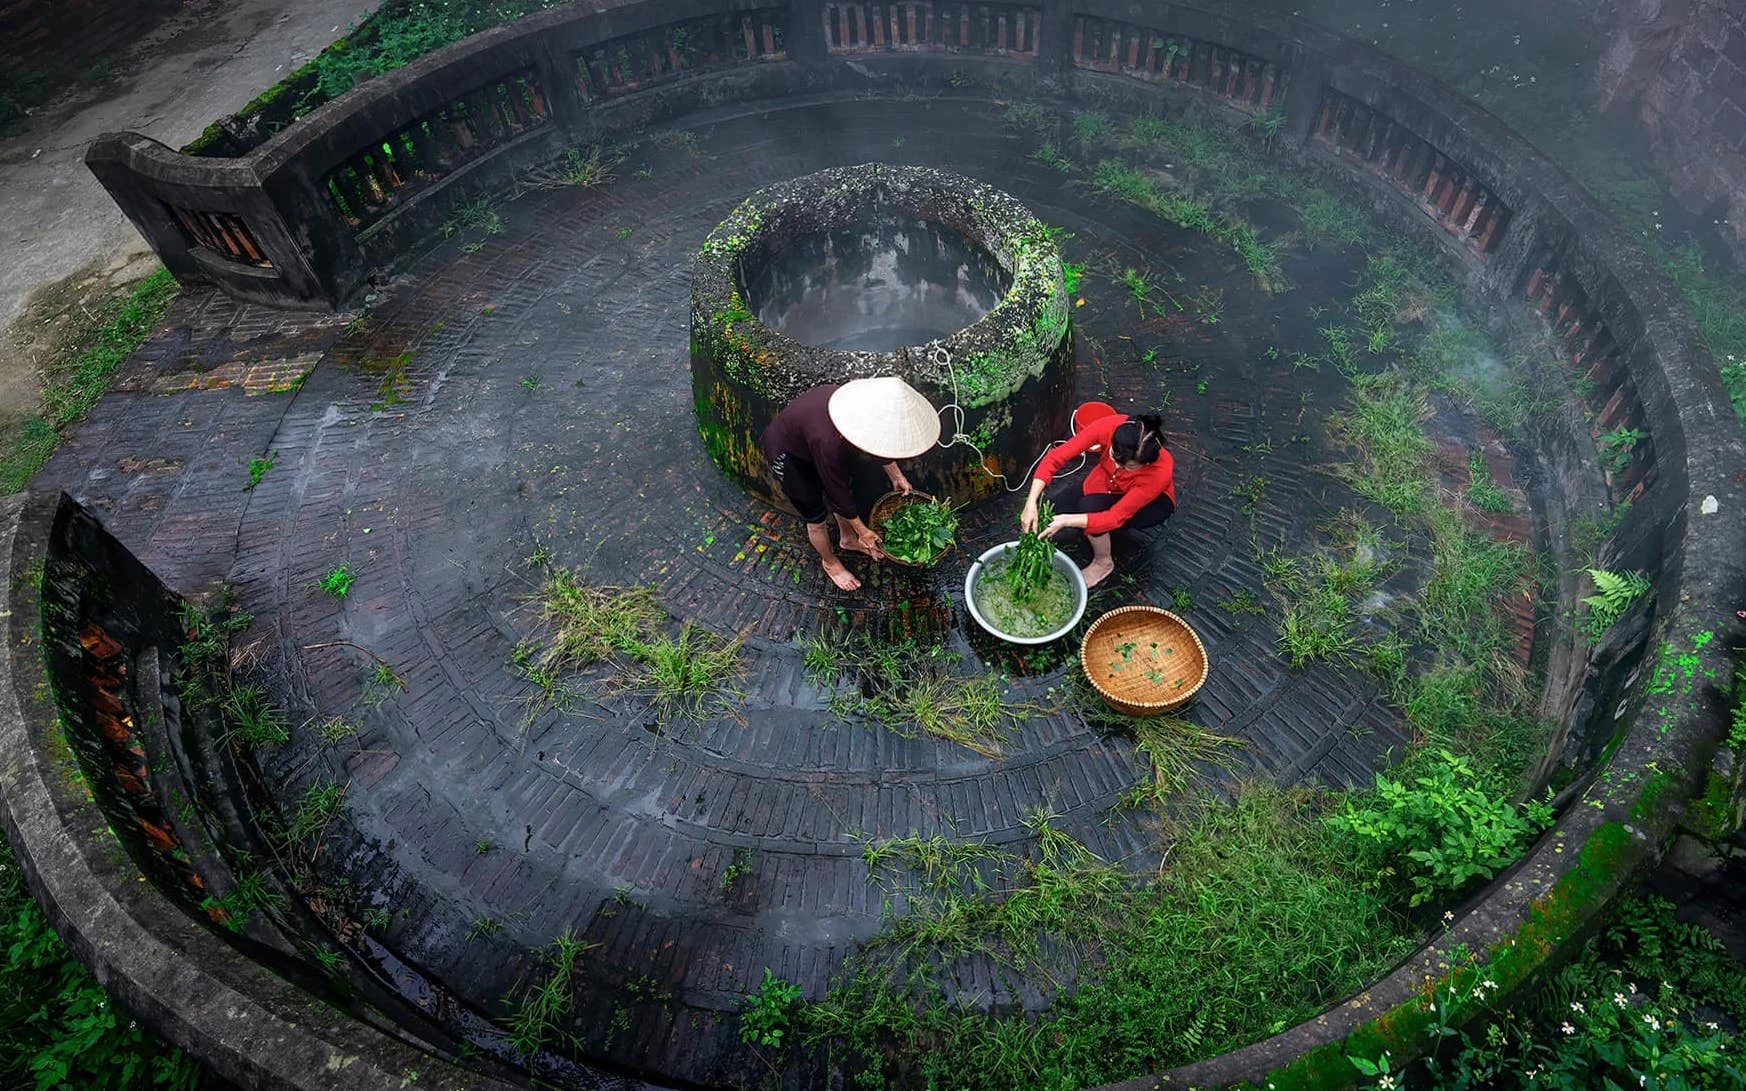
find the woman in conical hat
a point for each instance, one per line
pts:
(809, 445)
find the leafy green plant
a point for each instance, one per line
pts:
(1033, 559)
(921, 532)
(1443, 824)
(58, 1027)
(1073, 275)
(337, 581)
(1616, 447)
(1615, 592)
(738, 868)
(258, 468)
(769, 1015)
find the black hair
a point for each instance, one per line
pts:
(1138, 439)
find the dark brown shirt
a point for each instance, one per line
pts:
(803, 431)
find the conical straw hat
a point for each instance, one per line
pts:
(886, 417)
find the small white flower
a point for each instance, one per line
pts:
(1385, 1083)
(1576, 1007)
(1712, 1026)
(1568, 1029)
(1652, 1022)
(1632, 985)
(1449, 914)
(1619, 999)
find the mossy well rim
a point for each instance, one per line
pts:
(989, 359)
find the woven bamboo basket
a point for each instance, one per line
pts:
(890, 504)
(1143, 661)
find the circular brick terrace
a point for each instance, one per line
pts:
(545, 405)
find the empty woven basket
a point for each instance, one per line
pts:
(1143, 661)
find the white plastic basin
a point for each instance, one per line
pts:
(1063, 564)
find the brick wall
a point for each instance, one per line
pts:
(1680, 66)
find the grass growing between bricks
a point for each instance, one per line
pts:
(72, 387)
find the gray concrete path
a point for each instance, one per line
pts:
(205, 61)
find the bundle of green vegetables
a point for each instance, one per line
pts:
(920, 533)
(1033, 560)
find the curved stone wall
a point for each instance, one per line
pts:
(306, 218)
(1009, 373)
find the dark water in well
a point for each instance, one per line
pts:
(876, 284)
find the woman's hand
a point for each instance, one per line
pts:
(868, 542)
(901, 483)
(1028, 517)
(1062, 522)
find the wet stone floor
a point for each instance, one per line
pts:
(529, 390)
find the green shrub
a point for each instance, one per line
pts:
(58, 1027)
(1444, 827)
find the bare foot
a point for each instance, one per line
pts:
(841, 576)
(850, 547)
(1098, 571)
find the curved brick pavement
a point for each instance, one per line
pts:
(546, 403)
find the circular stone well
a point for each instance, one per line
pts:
(883, 270)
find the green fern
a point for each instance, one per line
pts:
(1617, 591)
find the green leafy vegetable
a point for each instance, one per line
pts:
(1033, 559)
(921, 533)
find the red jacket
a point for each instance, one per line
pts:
(1137, 488)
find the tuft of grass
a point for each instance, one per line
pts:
(478, 214)
(1175, 753)
(544, 1004)
(335, 730)
(1385, 425)
(1320, 593)
(254, 719)
(582, 624)
(1483, 490)
(381, 684)
(250, 895)
(321, 803)
(680, 671)
(908, 687)
(71, 390)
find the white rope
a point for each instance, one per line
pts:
(940, 356)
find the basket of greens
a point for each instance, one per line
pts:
(915, 528)
(1026, 592)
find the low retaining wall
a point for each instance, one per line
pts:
(307, 217)
(97, 801)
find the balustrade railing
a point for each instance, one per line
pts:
(1011, 30)
(665, 53)
(1248, 81)
(366, 185)
(1444, 188)
(222, 233)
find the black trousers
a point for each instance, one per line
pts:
(1075, 501)
(805, 490)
